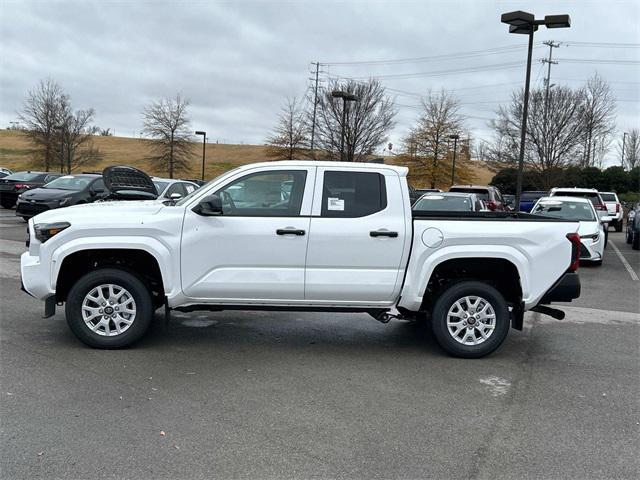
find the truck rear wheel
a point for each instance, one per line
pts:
(470, 319)
(109, 308)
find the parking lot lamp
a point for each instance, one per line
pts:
(60, 128)
(525, 23)
(455, 138)
(204, 147)
(346, 98)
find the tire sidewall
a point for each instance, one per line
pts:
(449, 297)
(139, 292)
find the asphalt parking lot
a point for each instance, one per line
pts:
(292, 395)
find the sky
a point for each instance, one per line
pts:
(238, 61)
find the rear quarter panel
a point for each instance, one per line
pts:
(539, 250)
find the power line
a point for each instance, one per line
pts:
(602, 44)
(601, 61)
(445, 56)
(479, 68)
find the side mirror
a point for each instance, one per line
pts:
(209, 206)
(175, 196)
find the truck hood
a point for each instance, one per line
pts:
(116, 213)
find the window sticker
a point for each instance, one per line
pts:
(335, 204)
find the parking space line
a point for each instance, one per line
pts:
(634, 275)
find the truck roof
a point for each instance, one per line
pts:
(401, 171)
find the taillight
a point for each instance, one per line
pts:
(617, 208)
(20, 186)
(574, 238)
(492, 205)
(601, 206)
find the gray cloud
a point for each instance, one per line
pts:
(237, 61)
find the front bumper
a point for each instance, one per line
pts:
(591, 251)
(29, 209)
(564, 290)
(35, 277)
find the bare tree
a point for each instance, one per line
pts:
(631, 149)
(167, 123)
(43, 110)
(77, 139)
(440, 118)
(552, 141)
(598, 117)
(289, 137)
(368, 121)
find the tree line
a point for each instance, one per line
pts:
(62, 138)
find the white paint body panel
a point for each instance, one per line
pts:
(241, 261)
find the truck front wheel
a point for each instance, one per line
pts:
(109, 308)
(470, 319)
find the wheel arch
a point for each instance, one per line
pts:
(145, 263)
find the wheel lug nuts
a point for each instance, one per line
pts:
(100, 311)
(117, 308)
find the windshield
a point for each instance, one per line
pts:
(160, 186)
(580, 211)
(482, 194)
(69, 182)
(442, 203)
(199, 190)
(608, 197)
(23, 176)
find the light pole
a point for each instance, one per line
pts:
(346, 97)
(60, 128)
(455, 138)
(526, 23)
(204, 147)
(624, 138)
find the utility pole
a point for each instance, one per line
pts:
(315, 105)
(551, 44)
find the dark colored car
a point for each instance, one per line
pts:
(633, 226)
(490, 195)
(17, 183)
(529, 198)
(61, 192)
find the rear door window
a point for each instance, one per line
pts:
(352, 194)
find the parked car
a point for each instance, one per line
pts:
(449, 202)
(528, 199)
(614, 207)
(490, 195)
(591, 229)
(594, 197)
(4, 172)
(173, 189)
(633, 226)
(63, 191)
(307, 236)
(13, 185)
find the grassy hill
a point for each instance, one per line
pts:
(15, 153)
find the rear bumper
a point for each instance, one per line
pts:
(564, 290)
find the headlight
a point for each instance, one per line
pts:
(64, 201)
(593, 237)
(632, 214)
(44, 231)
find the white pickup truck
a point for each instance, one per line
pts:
(296, 235)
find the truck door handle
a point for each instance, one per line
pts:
(383, 233)
(290, 231)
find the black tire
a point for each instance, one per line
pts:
(446, 300)
(7, 204)
(619, 226)
(606, 237)
(123, 279)
(629, 235)
(635, 241)
(597, 263)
